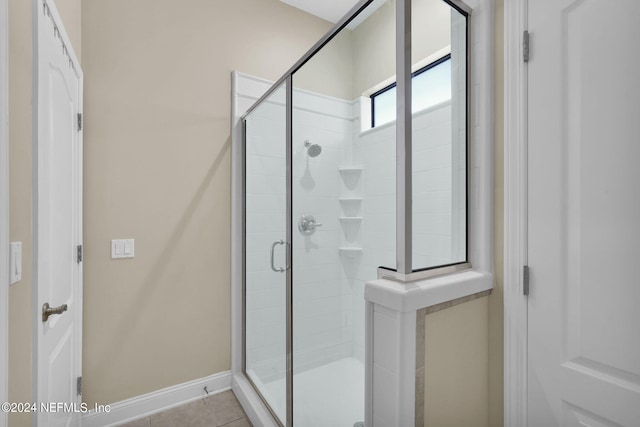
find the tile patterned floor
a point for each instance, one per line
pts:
(222, 409)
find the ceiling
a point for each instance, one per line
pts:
(329, 10)
(334, 10)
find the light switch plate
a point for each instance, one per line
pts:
(122, 248)
(15, 260)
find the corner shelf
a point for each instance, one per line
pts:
(348, 169)
(350, 218)
(350, 251)
(351, 206)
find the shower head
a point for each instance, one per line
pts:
(313, 150)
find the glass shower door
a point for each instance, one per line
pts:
(343, 204)
(265, 272)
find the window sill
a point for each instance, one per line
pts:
(413, 296)
(415, 114)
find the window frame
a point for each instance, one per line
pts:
(389, 87)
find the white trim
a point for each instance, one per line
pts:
(4, 207)
(413, 296)
(305, 100)
(237, 209)
(157, 401)
(515, 215)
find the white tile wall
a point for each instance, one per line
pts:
(323, 322)
(432, 199)
(329, 284)
(433, 187)
(265, 223)
(322, 326)
(432, 175)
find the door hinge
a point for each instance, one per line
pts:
(525, 46)
(79, 386)
(79, 122)
(525, 280)
(79, 254)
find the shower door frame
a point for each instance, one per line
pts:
(287, 79)
(288, 236)
(404, 215)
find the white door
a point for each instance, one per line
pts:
(58, 229)
(584, 213)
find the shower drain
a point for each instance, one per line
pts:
(359, 424)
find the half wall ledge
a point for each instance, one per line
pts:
(413, 296)
(395, 325)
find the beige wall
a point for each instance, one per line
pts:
(20, 200)
(360, 59)
(496, 408)
(20, 92)
(71, 13)
(374, 51)
(456, 359)
(330, 71)
(157, 169)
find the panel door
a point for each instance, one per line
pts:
(584, 213)
(58, 229)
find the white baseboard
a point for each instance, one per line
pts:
(157, 401)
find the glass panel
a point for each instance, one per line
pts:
(439, 135)
(343, 179)
(431, 86)
(265, 289)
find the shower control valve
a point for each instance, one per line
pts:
(307, 225)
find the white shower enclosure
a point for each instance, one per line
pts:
(349, 172)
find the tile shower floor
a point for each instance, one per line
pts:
(330, 395)
(222, 409)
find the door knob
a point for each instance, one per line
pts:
(307, 225)
(48, 311)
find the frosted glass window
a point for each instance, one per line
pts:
(383, 107)
(431, 86)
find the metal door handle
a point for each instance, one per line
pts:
(273, 247)
(48, 311)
